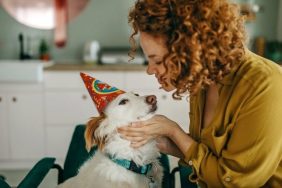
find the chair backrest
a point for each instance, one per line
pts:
(77, 155)
(3, 184)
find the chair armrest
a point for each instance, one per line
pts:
(172, 176)
(184, 172)
(60, 173)
(37, 173)
(164, 161)
(3, 184)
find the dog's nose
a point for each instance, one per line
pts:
(151, 99)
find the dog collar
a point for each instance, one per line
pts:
(131, 165)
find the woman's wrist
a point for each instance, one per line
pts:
(181, 139)
(174, 131)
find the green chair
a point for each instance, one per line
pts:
(75, 157)
(3, 184)
(35, 175)
(184, 172)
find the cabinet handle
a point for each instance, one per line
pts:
(14, 99)
(84, 97)
(0, 99)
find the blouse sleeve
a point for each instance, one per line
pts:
(254, 146)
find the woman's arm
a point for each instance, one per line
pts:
(167, 146)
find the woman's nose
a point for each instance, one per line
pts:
(150, 70)
(151, 99)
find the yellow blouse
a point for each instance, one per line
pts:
(242, 146)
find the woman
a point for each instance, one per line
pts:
(197, 47)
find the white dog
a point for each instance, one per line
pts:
(109, 167)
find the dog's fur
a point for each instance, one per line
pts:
(100, 171)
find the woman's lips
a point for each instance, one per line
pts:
(159, 79)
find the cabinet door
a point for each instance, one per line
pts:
(58, 140)
(4, 129)
(68, 108)
(26, 125)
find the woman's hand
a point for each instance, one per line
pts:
(139, 133)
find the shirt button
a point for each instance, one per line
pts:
(190, 163)
(228, 179)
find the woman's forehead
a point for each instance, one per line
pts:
(152, 46)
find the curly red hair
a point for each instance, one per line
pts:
(204, 38)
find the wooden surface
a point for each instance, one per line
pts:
(90, 67)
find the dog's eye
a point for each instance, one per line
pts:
(123, 101)
(136, 94)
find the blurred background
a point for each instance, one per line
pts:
(106, 22)
(44, 44)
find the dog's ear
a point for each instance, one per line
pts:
(89, 134)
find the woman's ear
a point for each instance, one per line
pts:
(89, 134)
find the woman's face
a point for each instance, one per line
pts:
(154, 49)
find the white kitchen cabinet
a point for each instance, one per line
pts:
(68, 108)
(26, 125)
(21, 125)
(57, 141)
(38, 119)
(4, 129)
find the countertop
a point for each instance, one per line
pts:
(90, 67)
(51, 66)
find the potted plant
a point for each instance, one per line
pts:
(44, 50)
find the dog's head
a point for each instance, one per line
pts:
(126, 108)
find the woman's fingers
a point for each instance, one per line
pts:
(134, 139)
(138, 144)
(131, 130)
(136, 124)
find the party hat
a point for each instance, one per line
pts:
(100, 92)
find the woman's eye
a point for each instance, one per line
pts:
(158, 62)
(123, 102)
